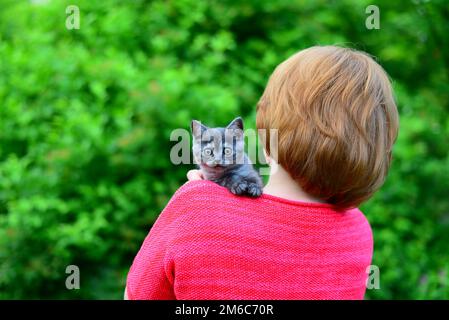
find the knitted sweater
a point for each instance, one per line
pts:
(209, 244)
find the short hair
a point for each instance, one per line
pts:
(337, 122)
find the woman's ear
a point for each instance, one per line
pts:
(272, 163)
(267, 157)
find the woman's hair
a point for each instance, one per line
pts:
(337, 122)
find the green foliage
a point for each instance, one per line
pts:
(86, 116)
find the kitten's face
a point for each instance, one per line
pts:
(218, 147)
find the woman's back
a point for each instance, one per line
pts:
(210, 244)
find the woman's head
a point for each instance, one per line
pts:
(337, 121)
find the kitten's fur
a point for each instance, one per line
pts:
(221, 158)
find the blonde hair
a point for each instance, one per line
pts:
(337, 122)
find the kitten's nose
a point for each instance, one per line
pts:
(212, 163)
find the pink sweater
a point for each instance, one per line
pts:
(209, 244)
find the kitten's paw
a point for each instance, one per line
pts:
(254, 190)
(239, 188)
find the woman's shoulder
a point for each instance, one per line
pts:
(199, 188)
(361, 223)
(198, 195)
(190, 200)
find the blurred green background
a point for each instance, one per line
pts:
(86, 115)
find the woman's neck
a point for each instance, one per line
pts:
(281, 184)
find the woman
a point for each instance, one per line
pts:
(304, 238)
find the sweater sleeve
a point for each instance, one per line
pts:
(151, 275)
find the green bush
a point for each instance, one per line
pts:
(86, 115)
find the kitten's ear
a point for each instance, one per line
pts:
(237, 123)
(197, 128)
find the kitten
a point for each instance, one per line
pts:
(221, 158)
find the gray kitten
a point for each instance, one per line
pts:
(221, 158)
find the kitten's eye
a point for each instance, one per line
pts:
(227, 151)
(207, 152)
